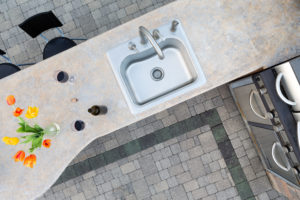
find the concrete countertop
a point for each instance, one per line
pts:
(230, 39)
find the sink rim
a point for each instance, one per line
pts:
(117, 54)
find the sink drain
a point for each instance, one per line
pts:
(157, 73)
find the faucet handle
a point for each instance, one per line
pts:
(174, 25)
(156, 34)
(131, 46)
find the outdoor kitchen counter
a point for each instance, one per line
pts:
(230, 39)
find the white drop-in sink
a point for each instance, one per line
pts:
(145, 79)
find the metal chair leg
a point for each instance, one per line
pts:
(78, 39)
(25, 64)
(46, 39)
(6, 58)
(60, 31)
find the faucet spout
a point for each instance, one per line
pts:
(146, 36)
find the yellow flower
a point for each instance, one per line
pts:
(32, 112)
(10, 140)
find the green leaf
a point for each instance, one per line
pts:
(21, 130)
(21, 120)
(28, 128)
(38, 128)
(31, 150)
(36, 143)
(28, 138)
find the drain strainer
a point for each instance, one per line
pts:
(157, 73)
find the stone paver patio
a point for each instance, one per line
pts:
(199, 149)
(196, 154)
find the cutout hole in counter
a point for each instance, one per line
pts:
(61, 76)
(78, 125)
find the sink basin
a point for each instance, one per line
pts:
(146, 80)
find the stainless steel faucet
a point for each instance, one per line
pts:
(146, 36)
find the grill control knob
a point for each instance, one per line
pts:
(278, 127)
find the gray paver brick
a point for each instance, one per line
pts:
(161, 186)
(244, 161)
(153, 179)
(251, 153)
(234, 124)
(206, 159)
(166, 152)
(184, 177)
(162, 114)
(141, 189)
(159, 196)
(224, 91)
(217, 101)
(175, 148)
(176, 170)
(187, 144)
(131, 9)
(147, 165)
(199, 108)
(165, 163)
(79, 196)
(89, 188)
(208, 142)
(157, 155)
(128, 167)
(195, 151)
(136, 175)
(214, 166)
(115, 183)
(178, 193)
(191, 185)
(184, 156)
(211, 189)
(106, 186)
(172, 182)
(89, 174)
(223, 184)
(208, 105)
(169, 120)
(263, 196)
(70, 191)
(199, 193)
(196, 167)
(144, 3)
(214, 177)
(164, 174)
(98, 179)
(215, 155)
(260, 185)
(182, 112)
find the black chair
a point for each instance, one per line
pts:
(41, 22)
(8, 68)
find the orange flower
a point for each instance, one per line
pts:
(10, 100)
(19, 156)
(47, 143)
(18, 112)
(30, 161)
